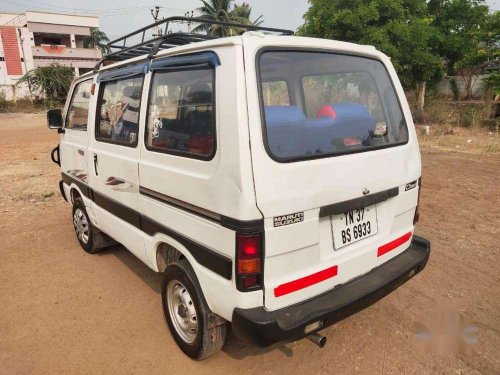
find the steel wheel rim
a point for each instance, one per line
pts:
(182, 311)
(81, 225)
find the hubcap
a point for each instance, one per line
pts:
(181, 310)
(81, 226)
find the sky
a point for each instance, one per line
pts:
(119, 17)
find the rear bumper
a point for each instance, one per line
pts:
(263, 328)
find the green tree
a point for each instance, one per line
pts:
(225, 10)
(469, 35)
(399, 28)
(52, 82)
(491, 87)
(98, 39)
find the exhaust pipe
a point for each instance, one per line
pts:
(317, 339)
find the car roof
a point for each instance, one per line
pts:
(257, 40)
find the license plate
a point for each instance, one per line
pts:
(354, 226)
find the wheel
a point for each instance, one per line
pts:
(196, 330)
(90, 238)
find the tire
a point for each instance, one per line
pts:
(90, 238)
(182, 298)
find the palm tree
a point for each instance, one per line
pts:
(98, 39)
(225, 10)
(242, 11)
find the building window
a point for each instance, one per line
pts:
(53, 41)
(181, 117)
(120, 103)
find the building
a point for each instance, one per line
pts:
(33, 39)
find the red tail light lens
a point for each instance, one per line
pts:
(249, 255)
(416, 218)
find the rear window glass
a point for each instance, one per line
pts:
(319, 104)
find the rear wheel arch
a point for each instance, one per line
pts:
(167, 254)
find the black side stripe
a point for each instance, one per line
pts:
(119, 210)
(210, 215)
(84, 188)
(242, 226)
(208, 258)
(204, 256)
(353, 204)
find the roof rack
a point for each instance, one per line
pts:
(120, 51)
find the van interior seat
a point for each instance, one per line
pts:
(283, 115)
(289, 132)
(351, 119)
(344, 111)
(199, 121)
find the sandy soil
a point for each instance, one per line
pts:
(64, 311)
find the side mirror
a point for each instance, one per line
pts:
(54, 119)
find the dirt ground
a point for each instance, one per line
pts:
(63, 311)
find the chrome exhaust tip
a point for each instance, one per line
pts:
(317, 339)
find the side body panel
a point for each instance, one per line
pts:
(174, 188)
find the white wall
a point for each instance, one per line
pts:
(20, 91)
(6, 17)
(62, 19)
(444, 87)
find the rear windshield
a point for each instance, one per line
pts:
(318, 104)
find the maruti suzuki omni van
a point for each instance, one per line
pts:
(274, 180)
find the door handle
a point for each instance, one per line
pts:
(81, 152)
(95, 165)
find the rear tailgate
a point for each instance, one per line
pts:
(301, 260)
(303, 200)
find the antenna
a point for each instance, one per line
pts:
(188, 15)
(157, 31)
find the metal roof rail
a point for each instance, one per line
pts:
(169, 40)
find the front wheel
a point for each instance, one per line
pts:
(196, 330)
(83, 226)
(90, 238)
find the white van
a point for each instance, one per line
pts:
(273, 179)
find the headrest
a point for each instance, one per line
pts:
(283, 114)
(200, 93)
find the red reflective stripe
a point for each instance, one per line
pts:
(393, 244)
(304, 282)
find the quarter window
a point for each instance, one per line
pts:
(118, 119)
(181, 113)
(78, 111)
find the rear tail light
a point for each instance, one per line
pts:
(249, 261)
(416, 218)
